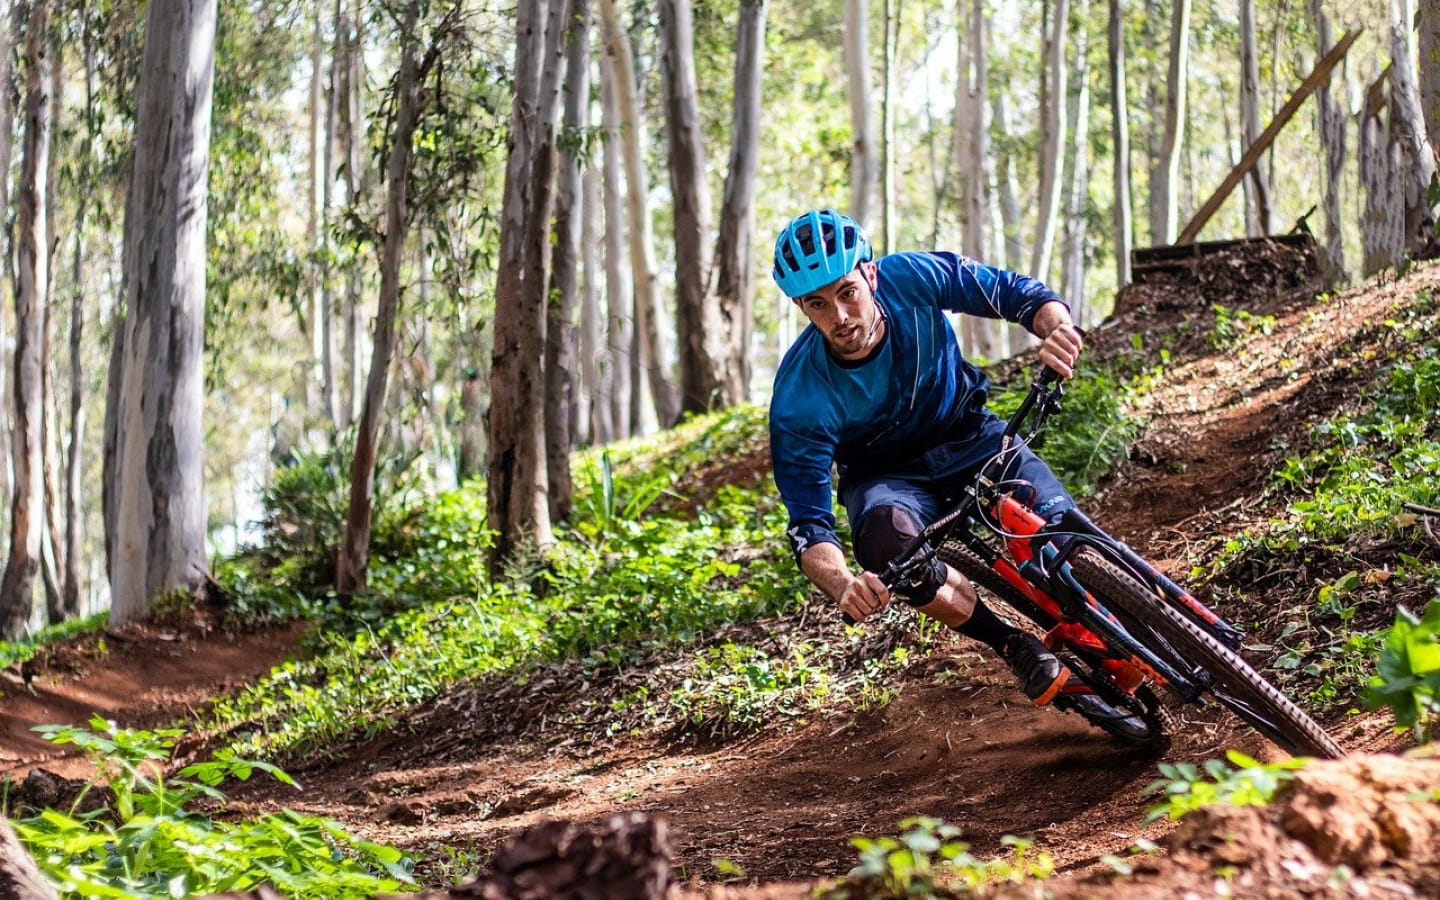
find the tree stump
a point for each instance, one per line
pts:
(627, 856)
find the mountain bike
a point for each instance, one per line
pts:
(1125, 629)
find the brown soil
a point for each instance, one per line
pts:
(487, 761)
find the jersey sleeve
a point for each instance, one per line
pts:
(978, 289)
(801, 461)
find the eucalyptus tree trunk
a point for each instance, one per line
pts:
(519, 513)
(1052, 146)
(1332, 142)
(1120, 139)
(735, 244)
(651, 352)
(1165, 176)
(864, 167)
(1416, 165)
(1072, 248)
(697, 314)
(74, 519)
(17, 588)
(52, 560)
(354, 556)
(1428, 36)
(561, 299)
(887, 128)
(316, 394)
(623, 374)
(349, 61)
(1007, 186)
(1258, 219)
(970, 137)
(160, 490)
(1381, 228)
(597, 406)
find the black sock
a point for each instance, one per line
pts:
(983, 625)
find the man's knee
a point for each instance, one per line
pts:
(879, 538)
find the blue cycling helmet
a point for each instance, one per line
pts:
(803, 264)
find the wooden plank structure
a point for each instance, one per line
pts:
(1317, 77)
(1148, 262)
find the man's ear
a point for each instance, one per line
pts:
(871, 272)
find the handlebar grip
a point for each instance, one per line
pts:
(848, 619)
(1049, 375)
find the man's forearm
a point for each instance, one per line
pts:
(824, 564)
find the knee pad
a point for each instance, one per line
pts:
(880, 536)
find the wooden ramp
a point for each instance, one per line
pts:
(1148, 262)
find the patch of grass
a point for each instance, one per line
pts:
(1092, 435)
(1242, 782)
(616, 583)
(148, 836)
(926, 860)
(12, 652)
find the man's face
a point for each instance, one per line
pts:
(846, 313)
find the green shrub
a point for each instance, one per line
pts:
(1408, 681)
(1245, 782)
(149, 839)
(927, 861)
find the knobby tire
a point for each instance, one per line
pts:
(1233, 681)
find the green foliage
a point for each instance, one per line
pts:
(1233, 326)
(651, 581)
(1247, 783)
(12, 652)
(927, 861)
(604, 505)
(149, 839)
(290, 572)
(737, 689)
(1091, 436)
(1408, 681)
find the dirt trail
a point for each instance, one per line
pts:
(957, 743)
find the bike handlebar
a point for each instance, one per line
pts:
(1040, 388)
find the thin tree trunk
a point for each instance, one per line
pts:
(74, 521)
(977, 205)
(887, 128)
(351, 117)
(651, 358)
(1332, 142)
(596, 404)
(354, 556)
(519, 513)
(160, 518)
(1165, 179)
(1381, 228)
(735, 243)
(1120, 137)
(1416, 167)
(1007, 183)
(697, 314)
(624, 374)
(863, 168)
(1052, 152)
(17, 589)
(1072, 251)
(1258, 217)
(1428, 36)
(561, 301)
(51, 558)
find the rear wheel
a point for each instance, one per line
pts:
(1186, 646)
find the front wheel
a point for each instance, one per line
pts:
(1187, 647)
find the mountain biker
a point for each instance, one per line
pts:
(878, 387)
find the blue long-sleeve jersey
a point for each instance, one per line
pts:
(909, 396)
